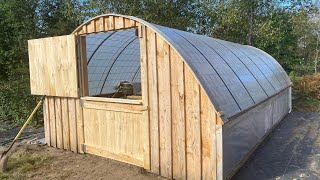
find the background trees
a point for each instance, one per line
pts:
(288, 30)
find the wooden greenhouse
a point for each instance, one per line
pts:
(177, 104)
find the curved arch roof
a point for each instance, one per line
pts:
(235, 77)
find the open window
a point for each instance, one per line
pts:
(113, 64)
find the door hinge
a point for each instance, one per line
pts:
(83, 148)
(81, 103)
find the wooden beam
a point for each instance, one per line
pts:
(73, 124)
(59, 122)
(153, 101)
(119, 157)
(164, 93)
(193, 126)
(208, 137)
(145, 94)
(219, 152)
(53, 135)
(65, 124)
(46, 116)
(112, 100)
(178, 117)
(132, 108)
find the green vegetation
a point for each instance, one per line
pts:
(22, 162)
(287, 30)
(306, 92)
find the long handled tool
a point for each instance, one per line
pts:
(5, 155)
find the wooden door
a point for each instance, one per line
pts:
(115, 130)
(53, 66)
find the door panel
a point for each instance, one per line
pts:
(115, 131)
(53, 66)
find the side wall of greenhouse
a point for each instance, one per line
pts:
(244, 133)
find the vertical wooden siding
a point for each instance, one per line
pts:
(107, 23)
(114, 133)
(63, 123)
(183, 140)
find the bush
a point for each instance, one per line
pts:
(16, 102)
(308, 85)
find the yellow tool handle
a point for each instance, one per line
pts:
(29, 118)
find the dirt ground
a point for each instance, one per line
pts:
(40, 162)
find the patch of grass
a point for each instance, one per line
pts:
(306, 92)
(22, 162)
(306, 104)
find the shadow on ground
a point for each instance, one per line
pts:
(292, 151)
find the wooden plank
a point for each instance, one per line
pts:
(113, 100)
(53, 136)
(208, 138)
(153, 101)
(103, 128)
(46, 116)
(65, 123)
(106, 23)
(79, 125)
(116, 136)
(33, 69)
(219, 152)
(91, 27)
(145, 95)
(193, 129)
(111, 125)
(73, 124)
(85, 29)
(114, 107)
(178, 117)
(119, 23)
(129, 23)
(53, 68)
(59, 122)
(100, 24)
(110, 23)
(88, 131)
(163, 65)
(84, 66)
(119, 157)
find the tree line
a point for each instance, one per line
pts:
(287, 30)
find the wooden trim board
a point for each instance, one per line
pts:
(112, 100)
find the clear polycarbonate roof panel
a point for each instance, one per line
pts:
(93, 41)
(223, 69)
(252, 67)
(124, 68)
(281, 74)
(245, 76)
(235, 77)
(116, 58)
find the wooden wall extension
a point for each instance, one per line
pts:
(185, 132)
(63, 123)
